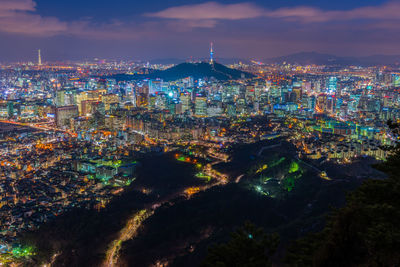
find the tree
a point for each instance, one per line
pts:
(365, 232)
(249, 246)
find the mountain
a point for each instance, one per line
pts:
(195, 70)
(306, 58)
(225, 61)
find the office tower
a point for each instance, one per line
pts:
(64, 114)
(250, 94)
(109, 100)
(332, 84)
(79, 99)
(201, 106)
(86, 108)
(186, 102)
(259, 89)
(292, 94)
(70, 97)
(133, 97)
(161, 101)
(3, 110)
(296, 94)
(396, 80)
(306, 86)
(60, 98)
(155, 86)
(317, 86)
(321, 103)
(330, 104)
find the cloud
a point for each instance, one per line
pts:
(17, 5)
(21, 17)
(390, 10)
(209, 11)
(16, 17)
(216, 11)
(387, 11)
(182, 25)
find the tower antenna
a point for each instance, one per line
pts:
(211, 54)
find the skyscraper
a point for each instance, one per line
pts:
(201, 106)
(186, 102)
(39, 58)
(332, 84)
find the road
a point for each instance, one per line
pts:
(322, 173)
(128, 232)
(268, 147)
(39, 127)
(134, 223)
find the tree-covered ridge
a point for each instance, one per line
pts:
(248, 246)
(365, 232)
(196, 70)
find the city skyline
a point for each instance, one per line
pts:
(199, 133)
(132, 30)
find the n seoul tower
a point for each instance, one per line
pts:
(211, 54)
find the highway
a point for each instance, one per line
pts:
(39, 127)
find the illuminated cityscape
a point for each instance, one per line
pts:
(118, 161)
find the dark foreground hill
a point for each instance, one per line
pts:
(195, 70)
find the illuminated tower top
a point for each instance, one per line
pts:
(39, 58)
(211, 54)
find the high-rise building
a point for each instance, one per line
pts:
(201, 106)
(65, 97)
(39, 58)
(79, 99)
(155, 86)
(109, 100)
(396, 80)
(64, 114)
(321, 103)
(161, 101)
(3, 110)
(330, 104)
(296, 93)
(186, 102)
(249, 94)
(60, 98)
(142, 100)
(332, 84)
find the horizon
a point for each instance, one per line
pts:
(186, 59)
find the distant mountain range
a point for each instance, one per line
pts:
(195, 70)
(305, 58)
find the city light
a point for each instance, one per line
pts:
(136, 137)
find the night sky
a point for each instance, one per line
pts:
(150, 29)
